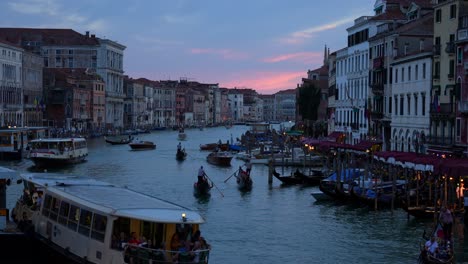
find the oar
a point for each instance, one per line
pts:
(214, 185)
(231, 176)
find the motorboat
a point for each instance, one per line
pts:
(221, 158)
(142, 145)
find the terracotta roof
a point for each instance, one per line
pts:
(323, 70)
(9, 43)
(289, 91)
(50, 37)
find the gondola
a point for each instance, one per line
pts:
(244, 182)
(287, 180)
(201, 188)
(312, 179)
(444, 253)
(118, 140)
(181, 154)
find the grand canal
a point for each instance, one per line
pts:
(269, 224)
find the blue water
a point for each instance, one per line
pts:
(269, 224)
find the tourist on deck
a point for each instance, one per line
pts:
(446, 219)
(432, 246)
(134, 239)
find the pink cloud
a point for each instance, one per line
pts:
(227, 54)
(267, 82)
(305, 57)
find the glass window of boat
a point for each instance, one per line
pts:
(63, 214)
(47, 205)
(85, 222)
(5, 139)
(73, 217)
(99, 227)
(55, 206)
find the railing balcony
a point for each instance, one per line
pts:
(377, 87)
(439, 140)
(446, 108)
(378, 62)
(450, 48)
(376, 115)
(462, 34)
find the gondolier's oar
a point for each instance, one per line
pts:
(231, 176)
(214, 185)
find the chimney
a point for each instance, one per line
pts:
(87, 34)
(93, 36)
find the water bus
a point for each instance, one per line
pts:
(57, 151)
(91, 221)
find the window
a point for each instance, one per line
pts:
(396, 105)
(424, 71)
(409, 104)
(451, 68)
(390, 105)
(437, 70)
(73, 217)
(396, 75)
(423, 104)
(438, 16)
(402, 74)
(416, 72)
(453, 11)
(85, 222)
(415, 104)
(409, 73)
(63, 214)
(401, 105)
(459, 55)
(55, 206)
(99, 227)
(47, 204)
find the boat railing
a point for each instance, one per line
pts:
(140, 254)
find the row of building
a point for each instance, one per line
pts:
(61, 78)
(402, 78)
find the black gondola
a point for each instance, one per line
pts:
(181, 154)
(118, 140)
(202, 188)
(244, 182)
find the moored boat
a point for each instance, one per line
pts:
(82, 218)
(142, 145)
(221, 158)
(51, 152)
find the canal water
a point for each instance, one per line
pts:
(269, 224)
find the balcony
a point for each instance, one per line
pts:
(462, 35)
(376, 115)
(378, 63)
(463, 107)
(446, 108)
(439, 140)
(377, 88)
(450, 48)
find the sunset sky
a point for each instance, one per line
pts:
(264, 45)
